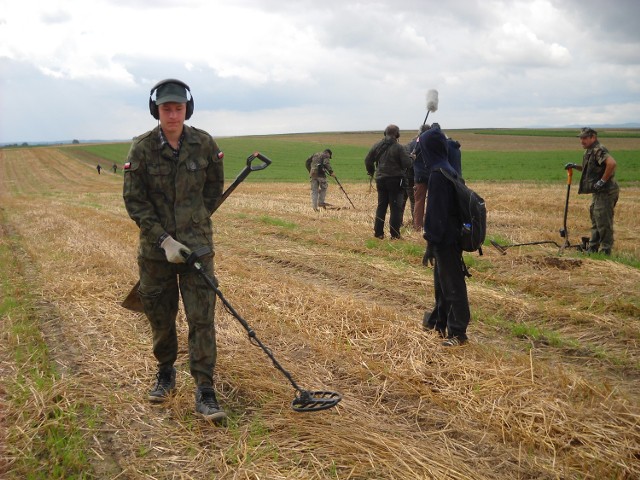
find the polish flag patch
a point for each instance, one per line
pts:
(220, 155)
(127, 165)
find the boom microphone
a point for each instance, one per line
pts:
(432, 103)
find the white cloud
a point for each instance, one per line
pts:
(272, 66)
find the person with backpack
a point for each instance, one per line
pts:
(450, 315)
(389, 161)
(318, 165)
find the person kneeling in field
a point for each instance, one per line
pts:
(450, 315)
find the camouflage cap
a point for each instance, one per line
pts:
(587, 132)
(171, 92)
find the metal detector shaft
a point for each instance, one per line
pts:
(132, 300)
(305, 401)
(343, 191)
(503, 248)
(243, 174)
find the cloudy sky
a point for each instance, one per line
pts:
(82, 69)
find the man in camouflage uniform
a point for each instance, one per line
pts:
(172, 180)
(320, 165)
(598, 171)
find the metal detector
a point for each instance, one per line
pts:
(305, 400)
(132, 300)
(564, 231)
(343, 191)
(503, 248)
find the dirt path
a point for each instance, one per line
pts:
(341, 311)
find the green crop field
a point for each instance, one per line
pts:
(481, 162)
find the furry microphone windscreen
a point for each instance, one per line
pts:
(432, 100)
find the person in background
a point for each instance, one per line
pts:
(409, 186)
(454, 155)
(421, 172)
(114, 168)
(598, 171)
(389, 161)
(319, 164)
(99, 168)
(173, 179)
(451, 315)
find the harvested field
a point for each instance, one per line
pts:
(548, 388)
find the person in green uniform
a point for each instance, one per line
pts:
(319, 166)
(598, 171)
(173, 178)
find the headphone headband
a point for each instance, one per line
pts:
(153, 108)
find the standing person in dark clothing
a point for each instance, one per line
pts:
(99, 168)
(173, 179)
(389, 161)
(114, 168)
(421, 172)
(451, 315)
(598, 171)
(455, 155)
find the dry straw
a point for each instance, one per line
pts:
(548, 387)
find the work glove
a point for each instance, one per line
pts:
(599, 185)
(428, 258)
(172, 249)
(569, 166)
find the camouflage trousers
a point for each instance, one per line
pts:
(318, 191)
(161, 284)
(601, 213)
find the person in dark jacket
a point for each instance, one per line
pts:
(454, 155)
(450, 315)
(173, 180)
(389, 161)
(421, 171)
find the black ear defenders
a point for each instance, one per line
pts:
(153, 108)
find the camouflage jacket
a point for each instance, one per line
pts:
(163, 194)
(593, 166)
(320, 165)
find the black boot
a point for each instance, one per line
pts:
(207, 405)
(165, 384)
